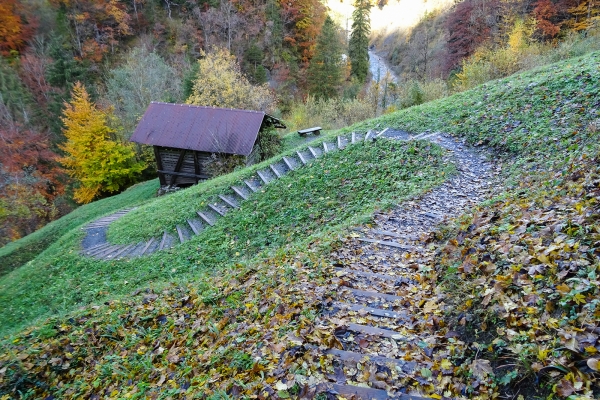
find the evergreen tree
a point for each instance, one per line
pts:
(98, 163)
(359, 39)
(325, 70)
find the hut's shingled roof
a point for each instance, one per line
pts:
(208, 129)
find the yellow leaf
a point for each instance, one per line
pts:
(446, 364)
(591, 350)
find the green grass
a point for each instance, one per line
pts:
(17, 253)
(341, 189)
(537, 120)
(531, 117)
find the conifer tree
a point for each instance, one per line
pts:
(358, 47)
(325, 70)
(98, 163)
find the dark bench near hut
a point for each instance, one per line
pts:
(186, 138)
(315, 131)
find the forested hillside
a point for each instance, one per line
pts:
(105, 60)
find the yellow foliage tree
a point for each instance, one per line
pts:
(98, 163)
(220, 83)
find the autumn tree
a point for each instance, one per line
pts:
(97, 162)
(545, 13)
(220, 83)
(358, 47)
(325, 69)
(15, 30)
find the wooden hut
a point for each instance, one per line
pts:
(185, 138)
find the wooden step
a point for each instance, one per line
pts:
(353, 137)
(386, 243)
(145, 249)
(239, 192)
(313, 152)
(205, 218)
(340, 142)
(301, 157)
(275, 171)
(193, 227)
(387, 233)
(228, 201)
(365, 293)
(378, 312)
(217, 210)
(368, 135)
(263, 177)
(136, 251)
(325, 148)
(288, 163)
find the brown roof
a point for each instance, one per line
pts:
(209, 129)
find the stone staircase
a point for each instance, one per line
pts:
(218, 208)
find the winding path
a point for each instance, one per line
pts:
(377, 278)
(375, 271)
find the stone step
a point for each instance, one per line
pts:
(205, 218)
(92, 251)
(365, 358)
(378, 312)
(275, 171)
(183, 233)
(365, 293)
(289, 163)
(229, 201)
(195, 225)
(147, 246)
(386, 243)
(301, 157)
(263, 177)
(373, 331)
(351, 392)
(371, 275)
(219, 210)
(137, 250)
(239, 192)
(106, 251)
(163, 241)
(313, 151)
(252, 184)
(116, 254)
(382, 132)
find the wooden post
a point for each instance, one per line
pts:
(177, 166)
(159, 167)
(196, 165)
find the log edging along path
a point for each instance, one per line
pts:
(96, 245)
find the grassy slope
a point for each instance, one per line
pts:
(17, 253)
(541, 121)
(312, 202)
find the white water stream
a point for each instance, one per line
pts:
(379, 68)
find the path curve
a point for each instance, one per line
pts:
(376, 283)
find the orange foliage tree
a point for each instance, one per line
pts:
(14, 30)
(99, 163)
(545, 12)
